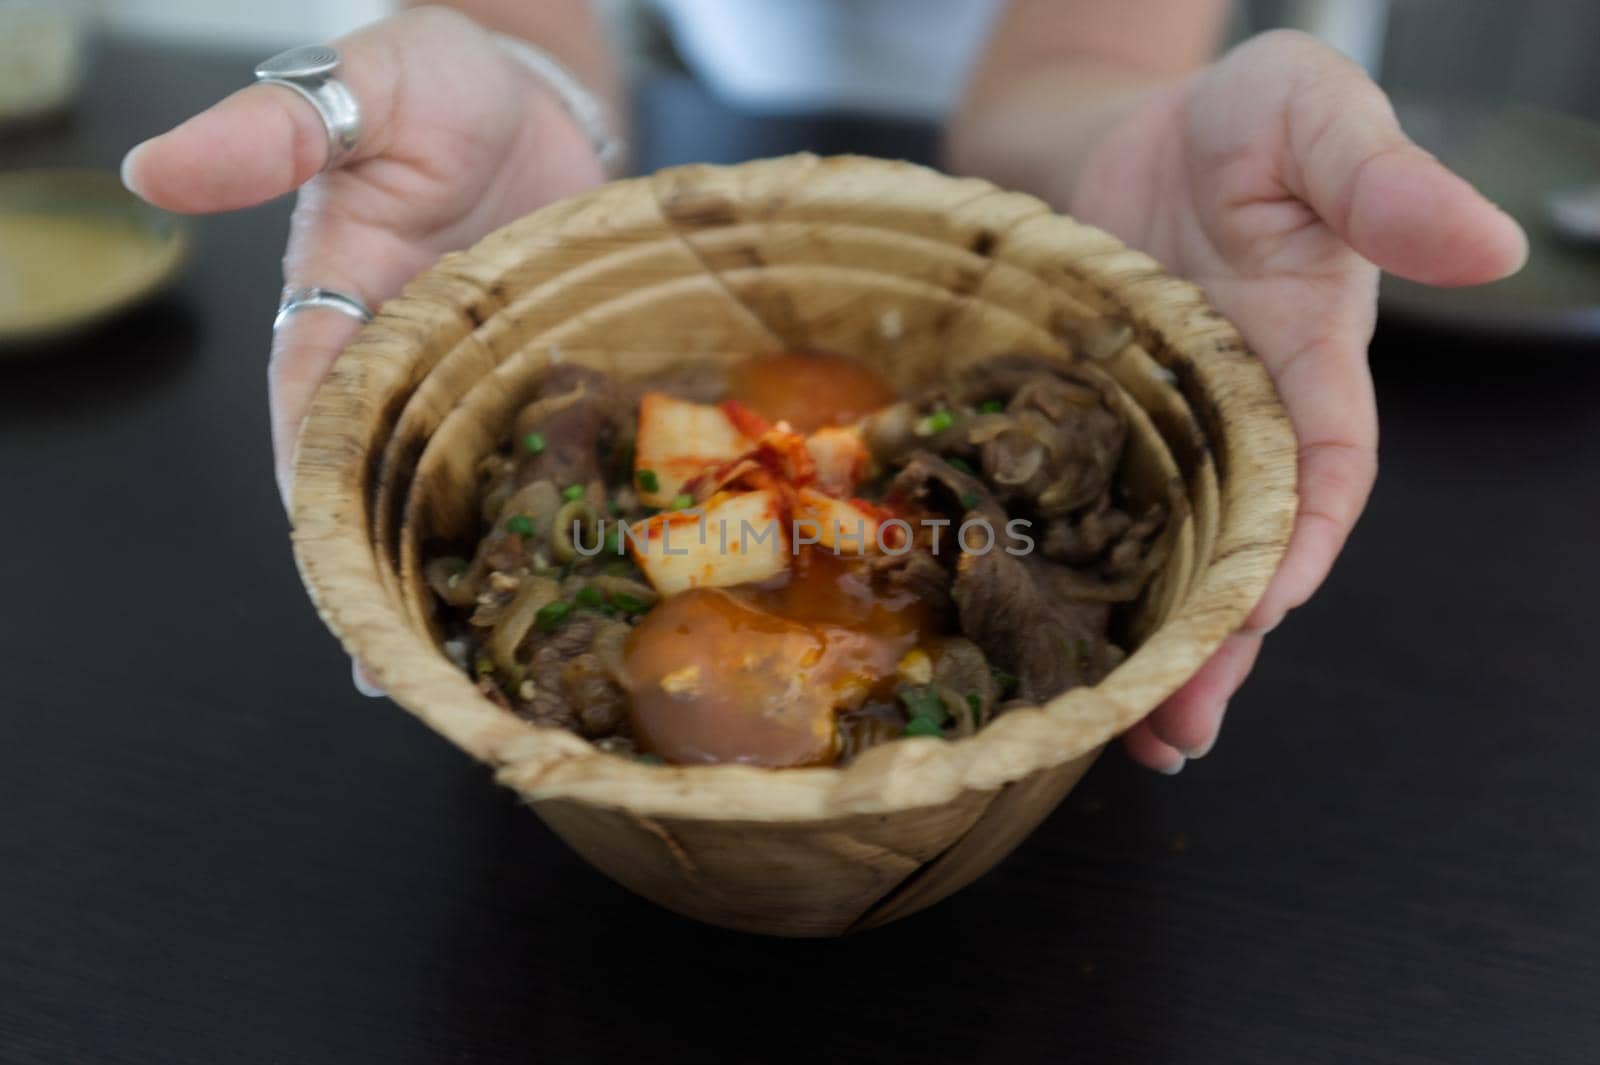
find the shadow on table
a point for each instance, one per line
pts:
(101, 365)
(1530, 400)
(615, 978)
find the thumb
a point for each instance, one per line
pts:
(1388, 199)
(263, 141)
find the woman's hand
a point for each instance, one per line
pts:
(457, 139)
(1276, 179)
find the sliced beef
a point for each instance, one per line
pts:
(569, 685)
(1084, 541)
(1021, 611)
(602, 705)
(917, 572)
(1056, 446)
(1051, 448)
(577, 413)
(930, 482)
(1027, 615)
(965, 679)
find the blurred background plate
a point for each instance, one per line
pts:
(75, 247)
(1520, 157)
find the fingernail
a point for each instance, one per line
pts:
(363, 684)
(1174, 769)
(1205, 748)
(1526, 248)
(127, 166)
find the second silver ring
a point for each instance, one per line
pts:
(299, 299)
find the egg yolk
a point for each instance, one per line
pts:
(759, 675)
(810, 391)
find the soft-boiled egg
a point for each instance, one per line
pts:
(770, 623)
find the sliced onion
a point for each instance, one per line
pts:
(535, 594)
(576, 512)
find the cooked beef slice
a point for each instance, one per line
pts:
(1022, 611)
(569, 685)
(1051, 448)
(1019, 610)
(930, 482)
(961, 669)
(1111, 554)
(1056, 446)
(577, 413)
(916, 571)
(1084, 540)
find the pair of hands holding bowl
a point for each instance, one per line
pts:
(1276, 178)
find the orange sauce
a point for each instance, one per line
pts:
(810, 391)
(758, 675)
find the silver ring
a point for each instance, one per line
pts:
(309, 70)
(298, 299)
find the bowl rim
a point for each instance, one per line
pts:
(1256, 458)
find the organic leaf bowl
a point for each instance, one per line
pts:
(915, 273)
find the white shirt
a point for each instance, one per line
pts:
(902, 57)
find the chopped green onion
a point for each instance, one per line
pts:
(483, 666)
(572, 493)
(649, 481)
(975, 702)
(991, 406)
(923, 725)
(614, 507)
(1006, 681)
(613, 541)
(550, 615)
(648, 759)
(589, 595)
(533, 443)
(962, 465)
(520, 525)
(628, 604)
(681, 502)
(937, 422)
(925, 702)
(969, 500)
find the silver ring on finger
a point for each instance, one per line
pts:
(299, 299)
(309, 70)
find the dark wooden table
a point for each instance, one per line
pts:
(213, 850)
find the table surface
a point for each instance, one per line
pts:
(211, 849)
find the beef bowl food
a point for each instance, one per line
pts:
(805, 568)
(791, 536)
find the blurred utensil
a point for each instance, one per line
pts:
(1576, 213)
(75, 247)
(1358, 28)
(1534, 164)
(41, 56)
